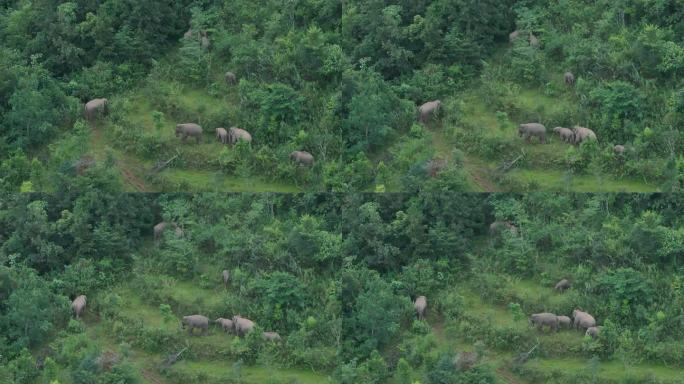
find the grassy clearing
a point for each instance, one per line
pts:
(607, 370)
(248, 375)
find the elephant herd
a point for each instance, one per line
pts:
(241, 326)
(97, 108)
(580, 319)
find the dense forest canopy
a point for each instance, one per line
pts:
(335, 276)
(343, 80)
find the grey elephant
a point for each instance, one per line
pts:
(465, 360)
(569, 78)
(513, 36)
(302, 158)
(564, 322)
(593, 332)
(161, 227)
(420, 305)
(195, 321)
(540, 320)
(619, 149)
(428, 109)
(225, 275)
(566, 134)
(178, 231)
(186, 130)
(222, 135)
(532, 130)
(271, 336)
(205, 43)
(497, 227)
(563, 285)
(95, 108)
(583, 134)
(188, 35)
(235, 134)
(230, 78)
(78, 305)
(581, 319)
(242, 325)
(534, 41)
(225, 324)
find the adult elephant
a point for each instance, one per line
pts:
(540, 320)
(242, 325)
(583, 134)
(429, 109)
(581, 319)
(302, 158)
(78, 305)
(161, 227)
(230, 78)
(420, 305)
(569, 78)
(186, 130)
(530, 130)
(235, 134)
(222, 135)
(195, 321)
(513, 36)
(96, 108)
(563, 285)
(619, 149)
(270, 336)
(497, 227)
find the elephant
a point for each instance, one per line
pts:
(435, 166)
(178, 231)
(513, 36)
(242, 325)
(534, 41)
(235, 134)
(565, 322)
(428, 109)
(532, 129)
(95, 108)
(188, 34)
(496, 227)
(582, 320)
(593, 331)
(78, 305)
(231, 79)
(189, 129)
(302, 158)
(539, 320)
(569, 78)
(222, 135)
(226, 324)
(582, 134)
(226, 277)
(562, 285)
(196, 321)
(420, 305)
(205, 43)
(565, 134)
(619, 149)
(465, 360)
(161, 227)
(271, 336)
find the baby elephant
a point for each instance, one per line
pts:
(420, 305)
(226, 324)
(271, 336)
(569, 78)
(564, 322)
(195, 321)
(222, 135)
(593, 331)
(230, 78)
(532, 130)
(78, 305)
(540, 320)
(563, 285)
(619, 149)
(566, 134)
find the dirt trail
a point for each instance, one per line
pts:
(507, 376)
(130, 177)
(477, 173)
(151, 377)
